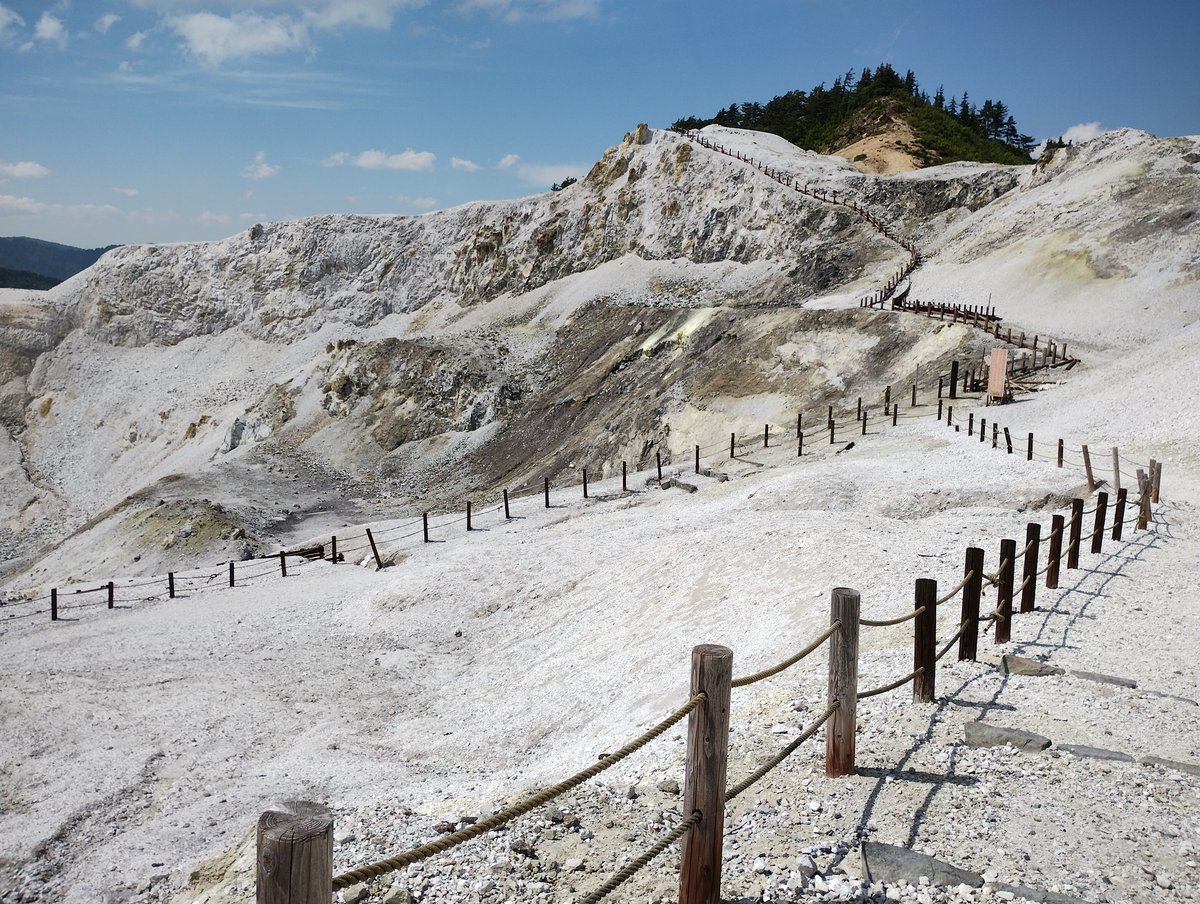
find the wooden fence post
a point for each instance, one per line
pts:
(624, 479)
(887, 397)
(1076, 533)
(1098, 526)
(1008, 441)
(1029, 448)
(864, 422)
(971, 424)
(733, 445)
(295, 854)
(800, 446)
(1060, 453)
(1116, 470)
(895, 412)
(282, 564)
(766, 436)
(832, 430)
(374, 550)
(425, 527)
(939, 409)
(507, 513)
(830, 418)
(843, 683)
(546, 490)
(941, 388)
(1155, 481)
(1004, 590)
(585, 493)
(333, 555)
(704, 780)
(170, 585)
(968, 643)
(230, 574)
(111, 597)
(858, 410)
(1144, 497)
(1033, 546)
(657, 462)
(925, 640)
(53, 604)
(954, 379)
(697, 458)
(1119, 513)
(913, 404)
(995, 435)
(1087, 467)
(468, 516)
(982, 428)
(1054, 557)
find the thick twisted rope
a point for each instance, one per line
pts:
(625, 873)
(884, 622)
(953, 640)
(875, 692)
(782, 755)
(957, 587)
(425, 851)
(790, 661)
(994, 579)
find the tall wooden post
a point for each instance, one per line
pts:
(954, 379)
(170, 585)
(1058, 524)
(830, 418)
(925, 640)
(895, 412)
(858, 410)
(971, 424)
(733, 445)
(1029, 448)
(295, 854)
(282, 564)
(111, 594)
(333, 554)
(1008, 441)
(657, 462)
(968, 643)
(1076, 533)
(230, 574)
(469, 528)
(374, 550)
(887, 397)
(1098, 526)
(982, 428)
(425, 527)
(704, 780)
(995, 434)
(1087, 467)
(913, 403)
(939, 409)
(864, 423)
(832, 430)
(1119, 514)
(624, 479)
(585, 487)
(1033, 545)
(1155, 482)
(1004, 590)
(766, 436)
(800, 445)
(843, 683)
(546, 490)
(507, 513)
(1060, 453)
(53, 604)
(1116, 470)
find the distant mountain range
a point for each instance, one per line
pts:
(25, 263)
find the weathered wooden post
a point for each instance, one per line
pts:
(1004, 590)
(895, 412)
(282, 564)
(1076, 533)
(425, 527)
(843, 683)
(53, 604)
(995, 434)
(1155, 482)
(832, 430)
(1029, 448)
(800, 446)
(1054, 555)
(982, 428)
(230, 574)
(624, 479)
(864, 423)
(954, 379)
(858, 410)
(704, 779)
(766, 436)
(295, 854)
(697, 458)
(1033, 545)
(968, 643)
(971, 424)
(1087, 467)
(913, 404)
(333, 553)
(170, 585)
(939, 409)
(374, 550)
(887, 397)
(1008, 441)
(469, 516)
(1119, 514)
(925, 640)
(546, 490)
(507, 513)
(111, 595)
(1116, 470)
(733, 445)
(1098, 525)
(658, 464)
(830, 418)
(585, 487)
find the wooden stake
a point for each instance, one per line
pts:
(864, 423)
(230, 574)
(1156, 481)
(895, 412)
(913, 404)
(1116, 470)
(546, 490)
(1098, 526)
(468, 516)
(995, 435)
(697, 459)
(887, 397)
(1029, 448)
(1008, 441)
(1119, 514)
(843, 683)
(295, 854)
(1033, 545)
(507, 513)
(425, 526)
(925, 640)
(657, 461)
(732, 445)
(858, 411)
(940, 390)
(939, 409)
(832, 429)
(53, 604)
(800, 446)
(1076, 533)
(1087, 467)
(971, 424)
(585, 488)
(830, 415)
(705, 775)
(333, 555)
(1060, 453)
(968, 643)
(624, 479)
(954, 379)
(110, 594)
(1058, 524)
(1004, 590)
(766, 435)
(374, 550)
(170, 585)
(282, 564)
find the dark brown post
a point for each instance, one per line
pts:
(800, 446)
(507, 514)
(110, 594)
(1004, 590)
(1143, 521)
(697, 458)
(585, 493)
(1119, 513)
(1029, 448)
(1033, 546)
(374, 550)
(864, 423)
(295, 854)
(939, 409)
(732, 445)
(971, 424)
(1008, 441)
(1060, 453)
(995, 435)
(704, 778)
(170, 585)
(1155, 481)
(858, 411)
(333, 549)
(282, 564)
(546, 490)
(53, 604)
(799, 421)
(913, 404)
(949, 415)
(940, 389)
(925, 641)
(1076, 533)
(895, 412)
(843, 683)
(830, 416)
(624, 479)
(1098, 526)
(832, 430)
(230, 574)
(1087, 467)
(954, 379)
(468, 516)
(425, 526)
(968, 643)
(887, 397)
(657, 461)
(766, 435)
(1058, 525)
(982, 428)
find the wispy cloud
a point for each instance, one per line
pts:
(51, 30)
(13, 204)
(107, 21)
(9, 23)
(214, 39)
(127, 192)
(135, 40)
(259, 169)
(508, 161)
(517, 10)
(408, 160)
(208, 218)
(467, 166)
(23, 169)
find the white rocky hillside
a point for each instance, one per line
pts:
(140, 744)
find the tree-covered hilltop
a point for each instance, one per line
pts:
(825, 119)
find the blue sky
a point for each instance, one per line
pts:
(168, 120)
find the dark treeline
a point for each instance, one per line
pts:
(825, 119)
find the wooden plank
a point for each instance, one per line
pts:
(997, 374)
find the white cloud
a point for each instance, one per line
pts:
(134, 41)
(424, 203)
(508, 161)
(14, 204)
(23, 169)
(214, 39)
(516, 10)
(259, 169)
(107, 21)
(365, 13)
(1077, 134)
(9, 22)
(468, 166)
(545, 174)
(51, 30)
(208, 218)
(127, 192)
(408, 161)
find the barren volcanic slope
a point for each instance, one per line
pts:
(183, 405)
